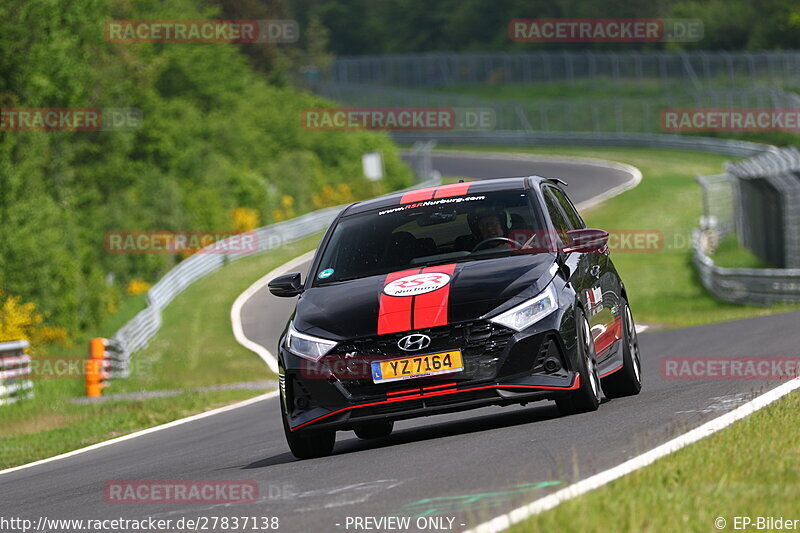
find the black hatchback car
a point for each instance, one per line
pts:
(450, 298)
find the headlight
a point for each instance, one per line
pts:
(525, 314)
(306, 346)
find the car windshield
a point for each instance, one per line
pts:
(469, 228)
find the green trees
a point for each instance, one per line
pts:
(410, 26)
(215, 136)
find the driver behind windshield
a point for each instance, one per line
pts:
(485, 224)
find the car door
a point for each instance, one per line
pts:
(598, 289)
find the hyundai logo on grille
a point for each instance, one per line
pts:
(417, 341)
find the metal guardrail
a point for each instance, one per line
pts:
(135, 335)
(769, 225)
(15, 370)
(646, 140)
(745, 285)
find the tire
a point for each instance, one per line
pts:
(374, 430)
(587, 397)
(626, 381)
(308, 444)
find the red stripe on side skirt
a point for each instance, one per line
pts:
(605, 340)
(419, 195)
(431, 308)
(454, 189)
(394, 312)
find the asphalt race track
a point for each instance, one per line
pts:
(469, 466)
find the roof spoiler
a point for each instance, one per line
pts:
(558, 181)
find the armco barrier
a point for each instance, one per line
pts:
(137, 333)
(640, 140)
(758, 286)
(15, 382)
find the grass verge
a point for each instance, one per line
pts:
(663, 285)
(195, 347)
(730, 254)
(48, 432)
(750, 469)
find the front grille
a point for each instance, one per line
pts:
(481, 344)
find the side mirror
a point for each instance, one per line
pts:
(586, 240)
(287, 285)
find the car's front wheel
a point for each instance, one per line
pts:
(587, 397)
(307, 444)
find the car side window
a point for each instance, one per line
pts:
(556, 215)
(573, 218)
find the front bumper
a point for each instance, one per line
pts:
(502, 367)
(431, 402)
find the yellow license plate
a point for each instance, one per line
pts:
(417, 366)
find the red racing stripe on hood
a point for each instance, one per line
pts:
(394, 312)
(431, 308)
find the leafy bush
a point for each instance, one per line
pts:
(20, 320)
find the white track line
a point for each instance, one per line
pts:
(505, 521)
(636, 178)
(147, 431)
(236, 310)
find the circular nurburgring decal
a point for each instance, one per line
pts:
(417, 284)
